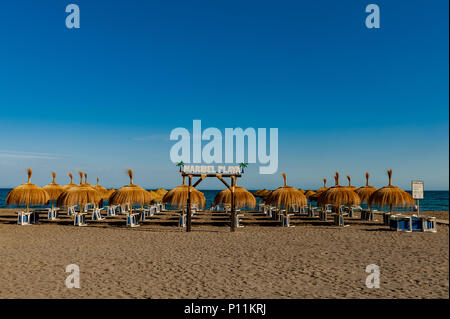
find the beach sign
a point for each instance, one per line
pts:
(417, 192)
(417, 189)
(211, 169)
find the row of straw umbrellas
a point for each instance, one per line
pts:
(81, 194)
(337, 195)
(287, 197)
(283, 197)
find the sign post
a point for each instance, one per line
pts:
(417, 192)
(196, 171)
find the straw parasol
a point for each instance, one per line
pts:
(257, 193)
(110, 191)
(262, 193)
(242, 197)
(266, 194)
(71, 184)
(391, 196)
(85, 181)
(155, 196)
(53, 190)
(287, 196)
(80, 195)
(161, 191)
(178, 196)
(364, 192)
(338, 195)
(130, 194)
(27, 193)
(319, 191)
(103, 192)
(309, 193)
(350, 183)
(323, 188)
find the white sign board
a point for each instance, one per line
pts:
(417, 189)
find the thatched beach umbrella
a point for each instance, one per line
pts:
(350, 186)
(103, 192)
(391, 196)
(53, 190)
(178, 196)
(110, 191)
(130, 194)
(242, 198)
(338, 195)
(161, 191)
(27, 194)
(155, 196)
(80, 195)
(319, 191)
(260, 192)
(364, 192)
(158, 194)
(257, 193)
(85, 181)
(309, 193)
(310, 196)
(71, 184)
(265, 194)
(287, 197)
(323, 188)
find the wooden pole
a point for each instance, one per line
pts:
(233, 208)
(188, 220)
(418, 209)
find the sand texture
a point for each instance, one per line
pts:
(155, 261)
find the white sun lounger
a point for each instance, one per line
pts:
(23, 218)
(131, 220)
(70, 210)
(96, 214)
(182, 220)
(237, 219)
(53, 213)
(286, 220)
(79, 219)
(111, 210)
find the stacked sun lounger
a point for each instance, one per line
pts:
(402, 223)
(23, 218)
(79, 219)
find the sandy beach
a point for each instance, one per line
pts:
(153, 261)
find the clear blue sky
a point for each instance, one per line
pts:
(105, 97)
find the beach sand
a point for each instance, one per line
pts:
(306, 261)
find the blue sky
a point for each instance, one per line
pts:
(105, 97)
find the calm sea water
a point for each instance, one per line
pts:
(433, 201)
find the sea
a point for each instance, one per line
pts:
(433, 200)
